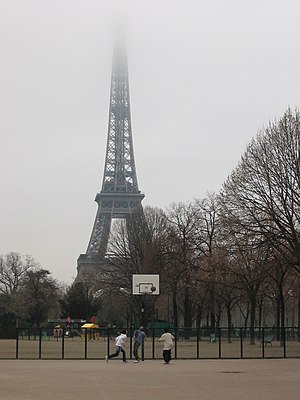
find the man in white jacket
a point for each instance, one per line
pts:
(120, 344)
(168, 339)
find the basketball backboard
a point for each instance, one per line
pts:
(145, 284)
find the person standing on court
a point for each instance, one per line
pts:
(168, 339)
(139, 338)
(120, 344)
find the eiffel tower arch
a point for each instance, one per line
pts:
(120, 196)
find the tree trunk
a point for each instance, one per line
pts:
(187, 308)
(199, 316)
(212, 306)
(260, 311)
(187, 313)
(246, 316)
(229, 323)
(277, 318)
(282, 319)
(252, 321)
(175, 308)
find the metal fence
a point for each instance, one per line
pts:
(190, 343)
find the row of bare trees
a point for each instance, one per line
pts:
(260, 204)
(28, 293)
(231, 257)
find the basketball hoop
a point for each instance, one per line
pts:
(145, 284)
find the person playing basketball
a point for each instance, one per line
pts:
(168, 339)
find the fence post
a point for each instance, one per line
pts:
(108, 340)
(40, 343)
(17, 343)
(220, 342)
(175, 335)
(130, 341)
(63, 344)
(284, 341)
(153, 343)
(198, 342)
(241, 343)
(85, 344)
(263, 342)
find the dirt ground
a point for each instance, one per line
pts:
(267, 379)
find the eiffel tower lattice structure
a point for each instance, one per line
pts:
(120, 195)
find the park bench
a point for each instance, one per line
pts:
(267, 340)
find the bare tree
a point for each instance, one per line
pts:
(183, 257)
(263, 193)
(250, 264)
(136, 246)
(207, 218)
(227, 285)
(280, 286)
(13, 268)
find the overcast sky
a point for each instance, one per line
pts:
(204, 78)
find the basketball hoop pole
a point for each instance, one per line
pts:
(143, 309)
(143, 285)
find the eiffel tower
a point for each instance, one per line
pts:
(120, 195)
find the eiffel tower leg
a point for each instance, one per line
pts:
(94, 257)
(99, 238)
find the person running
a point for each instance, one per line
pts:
(168, 339)
(139, 338)
(120, 344)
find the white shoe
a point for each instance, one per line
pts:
(106, 358)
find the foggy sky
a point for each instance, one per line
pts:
(204, 78)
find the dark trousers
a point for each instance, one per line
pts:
(117, 352)
(136, 350)
(167, 355)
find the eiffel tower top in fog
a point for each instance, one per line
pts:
(119, 171)
(119, 195)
